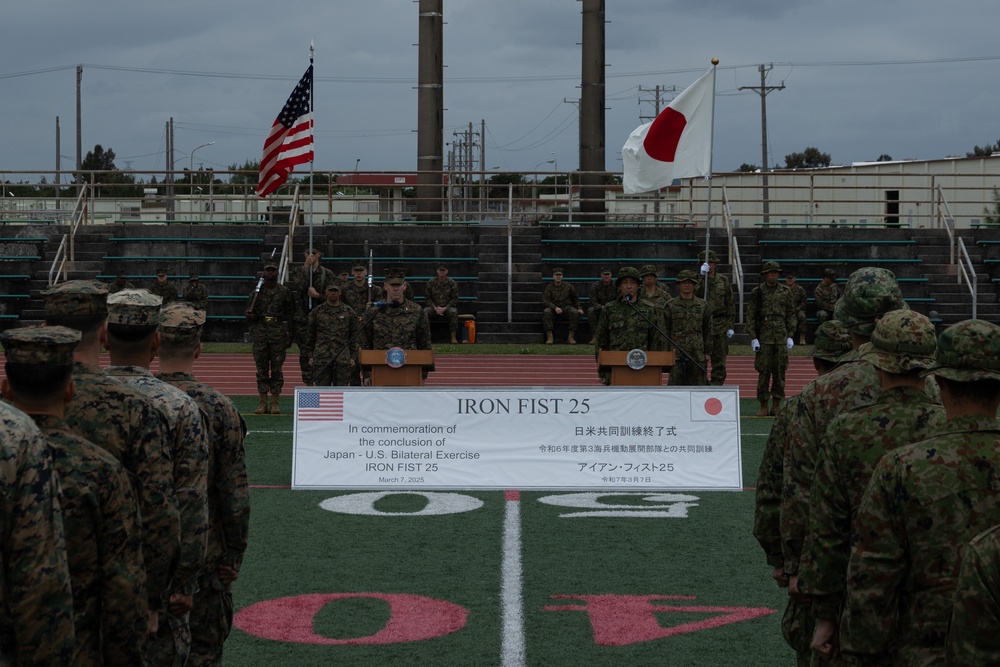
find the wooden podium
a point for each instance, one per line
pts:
(410, 374)
(623, 376)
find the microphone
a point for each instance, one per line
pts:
(386, 304)
(628, 298)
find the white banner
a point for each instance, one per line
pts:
(534, 438)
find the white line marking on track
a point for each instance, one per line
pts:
(512, 650)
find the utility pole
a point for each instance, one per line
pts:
(657, 99)
(592, 122)
(79, 126)
(763, 90)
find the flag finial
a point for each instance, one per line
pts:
(715, 61)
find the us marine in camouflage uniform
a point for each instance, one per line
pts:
(272, 327)
(628, 326)
(975, 615)
(308, 286)
(799, 304)
(441, 300)
(687, 323)
(99, 508)
(356, 293)
(400, 324)
(652, 291)
(124, 422)
(833, 344)
(722, 309)
(560, 300)
(925, 502)
(332, 331)
(162, 287)
(871, 293)
(195, 293)
(228, 492)
(826, 295)
(133, 317)
(120, 283)
(771, 325)
(601, 293)
(902, 345)
(36, 618)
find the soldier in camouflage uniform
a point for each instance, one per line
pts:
(722, 309)
(826, 295)
(308, 285)
(272, 327)
(601, 293)
(124, 422)
(628, 326)
(356, 293)
(120, 283)
(332, 331)
(402, 323)
(799, 303)
(975, 614)
(195, 293)
(162, 287)
(771, 325)
(833, 344)
(901, 346)
(870, 294)
(925, 503)
(228, 492)
(441, 300)
(99, 507)
(36, 617)
(652, 291)
(560, 299)
(687, 324)
(133, 318)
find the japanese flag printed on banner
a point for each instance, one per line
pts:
(676, 144)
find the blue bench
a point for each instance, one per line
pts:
(866, 242)
(180, 239)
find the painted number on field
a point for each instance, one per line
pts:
(670, 505)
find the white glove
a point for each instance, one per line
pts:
(755, 345)
(704, 269)
(729, 334)
(789, 343)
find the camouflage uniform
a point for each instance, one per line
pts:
(165, 291)
(826, 295)
(299, 284)
(925, 502)
(405, 326)
(562, 296)
(188, 435)
(687, 323)
(331, 330)
(228, 495)
(115, 286)
(799, 304)
(196, 294)
(357, 296)
(975, 615)
(773, 307)
(853, 444)
(442, 293)
(660, 296)
(722, 309)
(601, 294)
(621, 327)
(36, 614)
(271, 312)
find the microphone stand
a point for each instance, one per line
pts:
(684, 355)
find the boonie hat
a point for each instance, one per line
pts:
(134, 307)
(180, 322)
(870, 293)
(628, 272)
(771, 266)
(712, 257)
(833, 341)
(76, 297)
(902, 341)
(649, 270)
(41, 346)
(968, 351)
(687, 275)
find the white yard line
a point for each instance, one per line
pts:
(511, 595)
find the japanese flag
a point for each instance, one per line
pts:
(677, 144)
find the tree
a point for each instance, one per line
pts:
(884, 157)
(748, 168)
(993, 216)
(810, 158)
(984, 151)
(99, 167)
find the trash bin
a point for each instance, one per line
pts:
(468, 329)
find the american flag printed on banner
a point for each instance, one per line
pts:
(321, 406)
(290, 141)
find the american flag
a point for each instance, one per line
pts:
(321, 406)
(290, 141)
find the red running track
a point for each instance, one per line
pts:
(234, 375)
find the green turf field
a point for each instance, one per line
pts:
(317, 585)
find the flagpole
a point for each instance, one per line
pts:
(708, 212)
(312, 163)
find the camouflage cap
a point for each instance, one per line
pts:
(134, 307)
(333, 285)
(628, 272)
(968, 351)
(395, 276)
(606, 271)
(180, 322)
(40, 346)
(833, 342)
(771, 266)
(161, 271)
(442, 265)
(902, 341)
(358, 264)
(76, 297)
(270, 264)
(870, 293)
(649, 270)
(193, 275)
(829, 273)
(712, 257)
(687, 275)
(557, 271)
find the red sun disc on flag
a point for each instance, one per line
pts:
(713, 406)
(664, 134)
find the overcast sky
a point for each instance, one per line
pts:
(907, 78)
